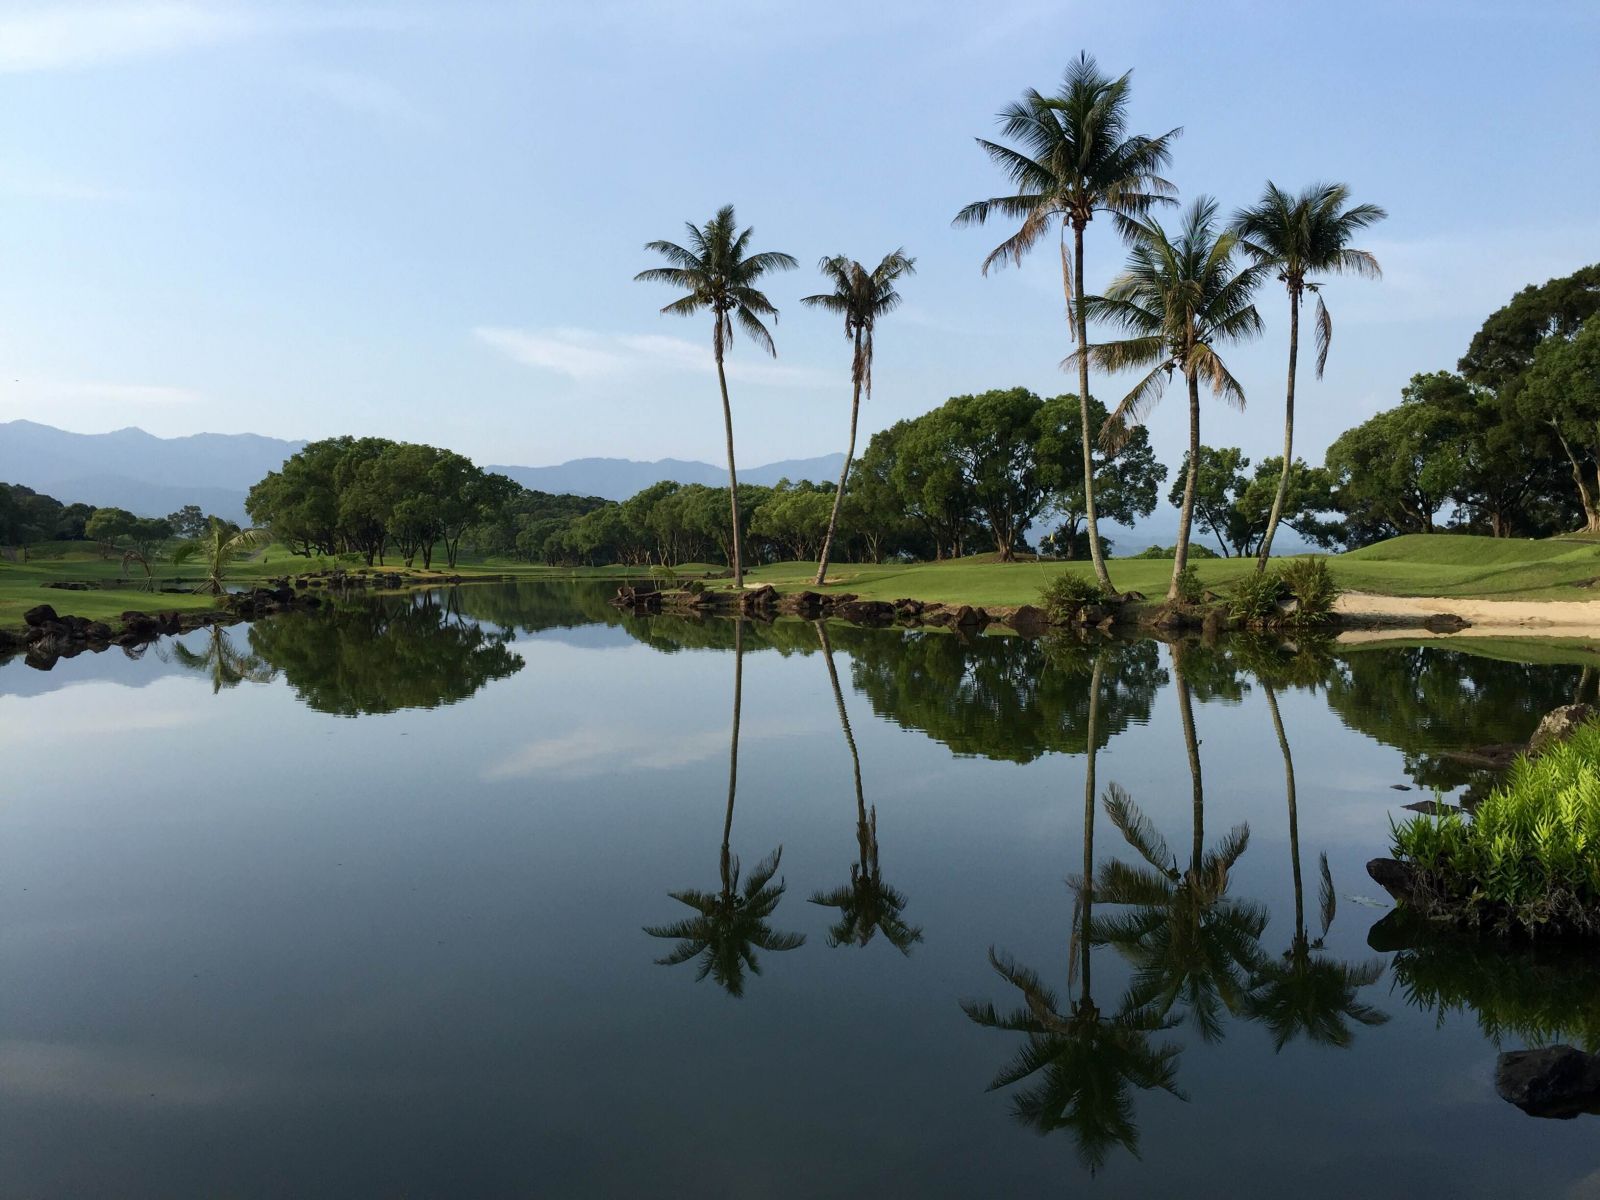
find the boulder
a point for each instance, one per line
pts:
(1445, 623)
(1393, 876)
(1557, 726)
(1029, 619)
(966, 616)
(1550, 1081)
(865, 612)
(40, 614)
(1432, 808)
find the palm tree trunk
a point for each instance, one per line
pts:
(1180, 554)
(862, 833)
(844, 475)
(1192, 745)
(733, 752)
(1082, 321)
(733, 477)
(1294, 814)
(1288, 434)
(1086, 911)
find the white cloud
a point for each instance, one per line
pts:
(64, 391)
(67, 34)
(586, 355)
(599, 749)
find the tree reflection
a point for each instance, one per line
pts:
(867, 905)
(1192, 946)
(730, 924)
(1306, 993)
(226, 664)
(1083, 1063)
(383, 655)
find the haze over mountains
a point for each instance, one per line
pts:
(152, 476)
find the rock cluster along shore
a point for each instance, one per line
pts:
(766, 603)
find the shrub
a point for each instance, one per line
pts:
(1064, 595)
(1196, 550)
(1309, 581)
(1254, 598)
(1526, 861)
(1190, 589)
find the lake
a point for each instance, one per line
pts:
(373, 904)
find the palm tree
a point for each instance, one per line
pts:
(1179, 300)
(1306, 992)
(218, 548)
(1188, 940)
(719, 274)
(1299, 237)
(730, 924)
(225, 663)
(866, 904)
(1086, 1060)
(1076, 159)
(860, 297)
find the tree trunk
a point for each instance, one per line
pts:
(1180, 552)
(844, 475)
(1288, 433)
(737, 562)
(733, 753)
(1191, 744)
(1591, 515)
(1082, 331)
(1294, 814)
(1086, 909)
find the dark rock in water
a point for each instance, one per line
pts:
(865, 612)
(1551, 1081)
(40, 614)
(968, 617)
(1400, 787)
(98, 631)
(1557, 726)
(1432, 808)
(1446, 623)
(1393, 876)
(1028, 619)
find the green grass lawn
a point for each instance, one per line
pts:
(1446, 565)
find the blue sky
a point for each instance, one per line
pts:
(422, 220)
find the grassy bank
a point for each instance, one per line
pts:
(1444, 565)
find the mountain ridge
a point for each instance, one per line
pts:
(152, 476)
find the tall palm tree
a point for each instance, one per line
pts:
(730, 924)
(719, 274)
(866, 904)
(1307, 992)
(1190, 943)
(1179, 300)
(859, 296)
(1086, 1059)
(1075, 159)
(1299, 237)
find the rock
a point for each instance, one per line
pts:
(1287, 606)
(1393, 876)
(1399, 787)
(968, 617)
(909, 607)
(98, 631)
(1432, 808)
(1029, 620)
(139, 623)
(1551, 1081)
(865, 612)
(40, 614)
(1557, 726)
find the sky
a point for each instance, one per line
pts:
(422, 220)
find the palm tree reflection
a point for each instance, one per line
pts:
(1305, 992)
(867, 905)
(1192, 946)
(1083, 1062)
(225, 663)
(730, 924)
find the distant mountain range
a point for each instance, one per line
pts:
(153, 476)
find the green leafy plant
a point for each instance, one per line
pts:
(1310, 582)
(218, 548)
(1525, 862)
(1065, 595)
(1187, 587)
(1253, 599)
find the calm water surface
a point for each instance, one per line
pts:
(375, 905)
